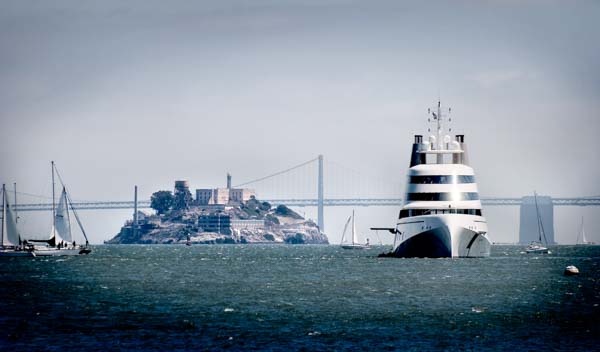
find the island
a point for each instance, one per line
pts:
(212, 218)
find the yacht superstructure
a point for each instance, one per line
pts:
(441, 215)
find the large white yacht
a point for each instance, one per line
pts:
(441, 215)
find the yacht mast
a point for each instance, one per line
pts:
(440, 141)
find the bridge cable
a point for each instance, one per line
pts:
(278, 173)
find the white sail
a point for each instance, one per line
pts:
(583, 239)
(353, 229)
(345, 228)
(11, 235)
(62, 220)
(54, 234)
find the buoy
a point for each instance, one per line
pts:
(571, 270)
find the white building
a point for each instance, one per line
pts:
(223, 196)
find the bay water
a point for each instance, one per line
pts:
(299, 297)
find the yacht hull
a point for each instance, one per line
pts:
(537, 251)
(13, 253)
(429, 244)
(444, 238)
(354, 246)
(50, 252)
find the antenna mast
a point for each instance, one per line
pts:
(439, 126)
(438, 116)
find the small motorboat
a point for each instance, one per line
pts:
(535, 247)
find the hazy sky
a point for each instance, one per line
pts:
(145, 92)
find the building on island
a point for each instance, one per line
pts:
(253, 224)
(182, 186)
(225, 224)
(145, 220)
(182, 196)
(218, 223)
(223, 196)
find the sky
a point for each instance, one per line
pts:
(121, 93)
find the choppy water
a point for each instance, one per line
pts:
(243, 297)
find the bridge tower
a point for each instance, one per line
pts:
(320, 197)
(528, 228)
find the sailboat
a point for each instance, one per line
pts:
(582, 235)
(61, 240)
(354, 244)
(12, 244)
(537, 247)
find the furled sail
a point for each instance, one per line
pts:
(62, 220)
(11, 234)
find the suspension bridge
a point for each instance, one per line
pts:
(317, 183)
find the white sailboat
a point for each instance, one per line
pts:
(61, 240)
(582, 235)
(538, 247)
(354, 244)
(11, 244)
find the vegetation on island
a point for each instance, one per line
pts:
(161, 201)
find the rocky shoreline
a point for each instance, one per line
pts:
(249, 222)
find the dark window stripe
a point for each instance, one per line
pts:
(449, 196)
(443, 179)
(407, 213)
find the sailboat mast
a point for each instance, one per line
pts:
(353, 228)
(53, 202)
(537, 213)
(16, 214)
(540, 222)
(3, 214)
(77, 218)
(64, 195)
(583, 239)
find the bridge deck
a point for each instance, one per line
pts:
(331, 202)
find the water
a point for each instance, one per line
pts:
(280, 297)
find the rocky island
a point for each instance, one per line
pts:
(181, 219)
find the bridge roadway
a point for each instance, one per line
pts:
(330, 202)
